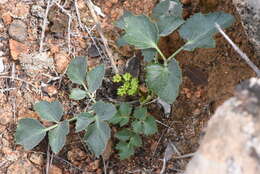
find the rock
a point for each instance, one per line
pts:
(23, 166)
(37, 11)
(18, 30)
(7, 18)
(20, 11)
(55, 170)
(37, 158)
(61, 61)
(17, 48)
(231, 144)
(51, 90)
(249, 11)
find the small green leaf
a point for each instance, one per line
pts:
(29, 133)
(149, 54)
(200, 29)
(125, 109)
(140, 31)
(104, 111)
(77, 94)
(140, 113)
(57, 136)
(84, 119)
(97, 136)
(164, 81)
(123, 135)
(119, 119)
(135, 140)
(138, 126)
(51, 111)
(77, 70)
(125, 150)
(95, 78)
(150, 126)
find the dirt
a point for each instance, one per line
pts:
(209, 76)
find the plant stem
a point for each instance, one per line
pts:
(175, 53)
(89, 94)
(51, 127)
(162, 55)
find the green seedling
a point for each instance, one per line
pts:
(144, 33)
(129, 85)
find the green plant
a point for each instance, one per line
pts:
(163, 79)
(129, 86)
(144, 33)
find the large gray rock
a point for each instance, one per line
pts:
(249, 11)
(232, 141)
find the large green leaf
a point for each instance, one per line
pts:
(84, 119)
(120, 23)
(140, 31)
(149, 54)
(97, 136)
(57, 136)
(29, 133)
(51, 111)
(78, 94)
(77, 70)
(168, 15)
(104, 111)
(95, 77)
(164, 81)
(167, 8)
(200, 29)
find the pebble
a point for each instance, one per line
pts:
(7, 18)
(18, 30)
(17, 48)
(51, 90)
(61, 61)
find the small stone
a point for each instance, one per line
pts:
(23, 166)
(36, 158)
(37, 11)
(114, 1)
(55, 49)
(7, 18)
(55, 170)
(51, 90)
(18, 30)
(61, 62)
(21, 10)
(17, 48)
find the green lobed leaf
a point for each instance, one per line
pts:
(149, 54)
(168, 24)
(140, 31)
(150, 126)
(104, 111)
(84, 119)
(95, 78)
(119, 119)
(77, 70)
(125, 109)
(29, 133)
(168, 8)
(138, 126)
(57, 136)
(78, 94)
(140, 113)
(164, 81)
(97, 136)
(135, 140)
(125, 150)
(51, 111)
(200, 29)
(123, 134)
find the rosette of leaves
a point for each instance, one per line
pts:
(134, 125)
(144, 32)
(129, 84)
